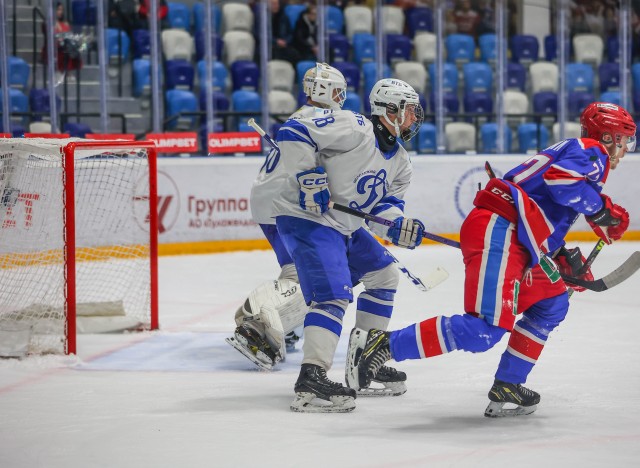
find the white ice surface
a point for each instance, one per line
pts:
(182, 397)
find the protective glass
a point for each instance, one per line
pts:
(630, 142)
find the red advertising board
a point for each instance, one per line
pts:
(176, 142)
(234, 142)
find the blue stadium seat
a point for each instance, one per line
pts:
(545, 102)
(113, 44)
(77, 129)
(17, 131)
(450, 81)
(364, 48)
(198, 16)
(177, 101)
(399, 48)
(460, 48)
(302, 98)
(579, 77)
(532, 137)
(220, 100)
(635, 76)
(39, 102)
(245, 75)
(551, 48)
(613, 97)
(352, 102)
(83, 12)
(141, 43)
(478, 77)
(578, 100)
(178, 15)
(489, 138)
(216, 43)
(335, 20)
(338, 48)
(220, 75)
(451, 102)
(609, 76)
(301, 69)
(18, 70)
(516, 76)
(418, 19)
(369, 75)
(613, 49)
(245, 101)
(524, 48)
(141, 77)
(293, 12)
(426, 138)
(19, 102)
(178, 74)
(488, 47)
(478, 103)
(351, 73)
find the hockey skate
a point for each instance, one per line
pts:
(501, 393)
(392, 381)
(313, 384)
(254, 347)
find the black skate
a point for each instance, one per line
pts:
(392, 380)
(501, 393)
(254, 347)
(313, 383)
(290, 340)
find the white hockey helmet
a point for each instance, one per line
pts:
(396, 97)
(325, 85)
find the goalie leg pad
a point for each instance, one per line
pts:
(250, 344)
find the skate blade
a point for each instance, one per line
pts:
(248, 354)
(389, 389)
(497, 410)
(306, 402)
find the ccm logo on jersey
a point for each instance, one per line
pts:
(502, 194)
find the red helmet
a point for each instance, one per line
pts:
(600, 118)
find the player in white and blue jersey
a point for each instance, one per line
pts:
(357, 162)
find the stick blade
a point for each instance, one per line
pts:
(623, 272)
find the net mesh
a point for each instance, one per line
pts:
(111, 231)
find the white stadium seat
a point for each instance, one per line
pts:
(237, 17)
(588, 48)
(425, 46)
(392, 19)
(358, 19)
(238, 45)
(281, 75)
(282, 102)
(460, 137)
(177, 44)
(571, 130)
(413, 73)
(544, 77)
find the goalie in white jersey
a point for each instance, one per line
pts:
(268, 319)
(359, 163)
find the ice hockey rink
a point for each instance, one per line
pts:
(183, 397)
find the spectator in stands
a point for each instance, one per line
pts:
(123, 14)
(143, 14)
(68, 46)
(487, 23)
(594, 17)
(304, 34)
(610, 21)
(467, 19)
(281, 48)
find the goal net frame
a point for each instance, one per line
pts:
(68, 149)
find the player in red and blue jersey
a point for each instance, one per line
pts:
(517, 226)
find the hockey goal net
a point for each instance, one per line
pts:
(78, 239)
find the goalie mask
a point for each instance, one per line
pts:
(396, 97)
(325, 85)
(609, 123)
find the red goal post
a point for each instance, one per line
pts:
(78, 240)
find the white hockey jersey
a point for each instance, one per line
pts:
(359, 174)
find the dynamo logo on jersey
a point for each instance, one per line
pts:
(371, 184)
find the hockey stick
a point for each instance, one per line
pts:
(386, 222)
(589, 261)
(426, 283)
(617, 276)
